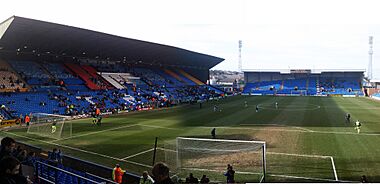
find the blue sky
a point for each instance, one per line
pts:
(276, 34)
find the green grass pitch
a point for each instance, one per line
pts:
(303, 136)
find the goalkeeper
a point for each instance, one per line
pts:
(53, 127)
(94, 119)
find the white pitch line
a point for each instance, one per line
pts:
(299, 155)
(96, 132)
(154, 126)
(333, 165)
(138, 154)
(280, 125)
(80, 150)
(298, 130)
(274, 153)
(213, 170)
(164, 149)
(301, 128)
(301, 177)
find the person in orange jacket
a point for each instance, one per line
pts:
(27, 120)
(97, 112)
(117, 174)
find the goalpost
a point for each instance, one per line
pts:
(50, 125)
(211, 156)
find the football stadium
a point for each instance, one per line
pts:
(83, 106)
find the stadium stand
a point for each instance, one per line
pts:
(192, 78)
(89, 80)
(322, 83)
(57, 79)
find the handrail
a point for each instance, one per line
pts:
(105, 179)
(67, 172)
(40, 177)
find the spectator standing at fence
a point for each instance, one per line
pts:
(146, 179)
(31, 159)
(230, 174)
(117, 174)
(205, 179)
(7, 147)
(22, 155)
(160, 173)
(191, 179)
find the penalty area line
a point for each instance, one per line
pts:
(334, 169)
(95, 132)
(139, 153)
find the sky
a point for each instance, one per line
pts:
(276, 34)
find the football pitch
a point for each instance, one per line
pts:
(307, 138)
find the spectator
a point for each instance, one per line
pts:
(191, 179)
(160, 173)
(146, 179)
(230, 174)
(10, 171)
(22, 155)
(59, 156)
(54, 156)
(7, 147)
(117, 174)
(31, 159)
(16, 151)
(205, 179)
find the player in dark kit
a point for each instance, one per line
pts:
(99, 121)
(213, 133)
(348, 117)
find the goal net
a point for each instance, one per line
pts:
(298, 92)
(211, 156)
(50, 125)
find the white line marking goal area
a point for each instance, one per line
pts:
(325, 160)
(272, 171)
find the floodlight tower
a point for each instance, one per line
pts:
(240, 62)
(370, 52)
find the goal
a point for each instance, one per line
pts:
(298, 92)
(50, 125)
(211, 156)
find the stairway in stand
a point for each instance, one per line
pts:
(83, 75)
